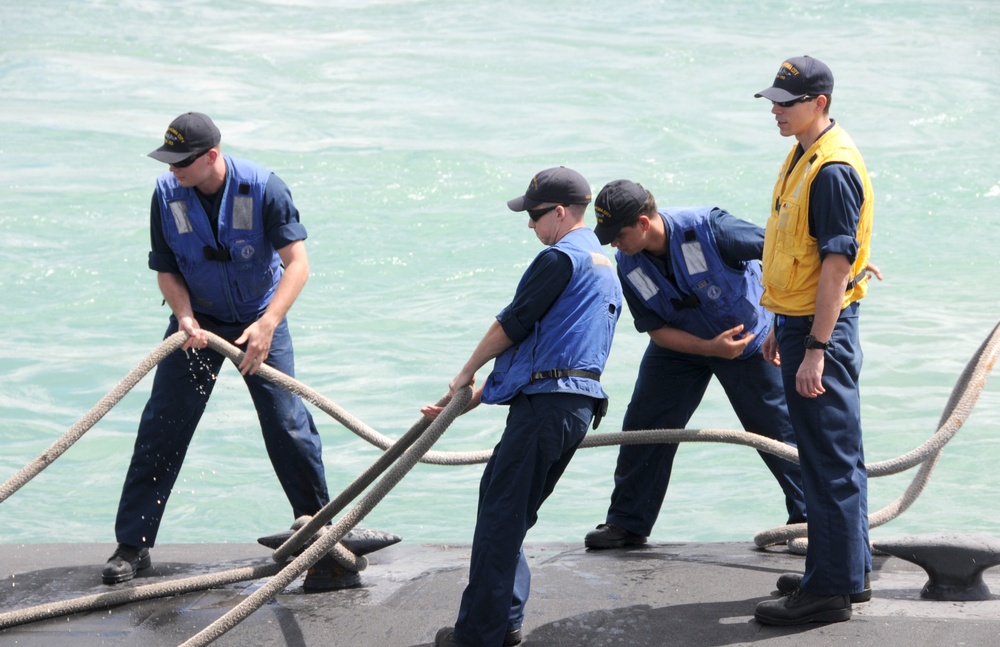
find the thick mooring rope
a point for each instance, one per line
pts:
(124, 595)
(418, 440)
(92, 417)
(400, 456)
(311, 555)
(963, 398)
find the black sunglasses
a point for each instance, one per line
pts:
(188, 161)
(536, 214)
(789, 104)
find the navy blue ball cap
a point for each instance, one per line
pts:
(558, 185)
(187, 135)
(802, 76)
(617, 203)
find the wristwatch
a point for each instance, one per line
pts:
(813, 343)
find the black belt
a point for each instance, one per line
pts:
(601, 408)
(565, 372)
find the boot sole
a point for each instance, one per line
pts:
(835, 615)
(621, 543)
(864, 596)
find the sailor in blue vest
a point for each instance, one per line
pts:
(550, 345)
(230, 258)
(692, 282)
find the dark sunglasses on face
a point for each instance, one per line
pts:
(536, 214)
(789, 104)
(188, 161)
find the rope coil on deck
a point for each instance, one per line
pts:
(414, 446)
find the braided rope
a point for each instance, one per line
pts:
(325, 541)
(963, 398)
(125, 595)
(413, 447)
(91, 418)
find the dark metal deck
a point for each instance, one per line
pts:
(692, 595)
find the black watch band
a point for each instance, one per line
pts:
(812, 343)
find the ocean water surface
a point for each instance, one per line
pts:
(402, 127)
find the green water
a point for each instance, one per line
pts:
(402, 128)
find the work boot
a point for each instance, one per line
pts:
(790, 581)
(608, 535)
(446, 638)
(801, 607)
(124, 562)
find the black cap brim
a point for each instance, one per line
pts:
(607, 233)
(522, 203)
(778, 95)
(169, 157)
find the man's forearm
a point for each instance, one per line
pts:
(293, 279)
(833, 279)
(175, 293)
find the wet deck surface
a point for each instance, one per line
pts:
(692, 595)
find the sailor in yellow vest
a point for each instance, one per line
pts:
(816, 249)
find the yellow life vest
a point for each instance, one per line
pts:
(791, 255)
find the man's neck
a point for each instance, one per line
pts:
(563, 232)
(217, 178)
(656, 237)
(818, 127)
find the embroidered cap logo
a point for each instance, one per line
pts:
(786, 69)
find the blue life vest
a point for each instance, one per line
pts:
(709, 296)
(568, 347)
(235, 278)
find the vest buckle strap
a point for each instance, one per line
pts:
(565, 372)
(213, 254)
(690, 301)
(857, 279)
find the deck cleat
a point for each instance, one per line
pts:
(954, 562)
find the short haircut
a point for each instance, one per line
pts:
(648, 208)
